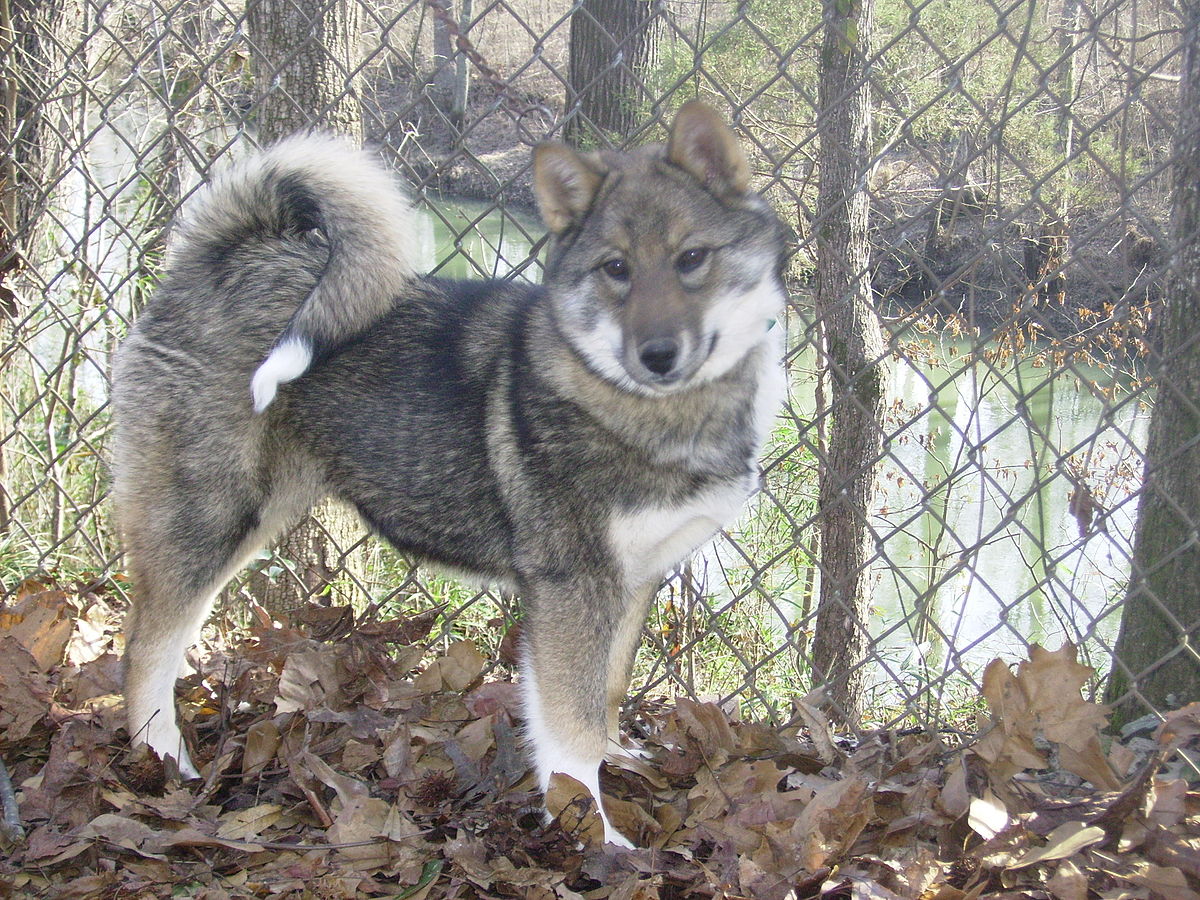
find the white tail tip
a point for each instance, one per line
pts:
(288, 361)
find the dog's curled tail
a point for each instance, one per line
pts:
(325, 189)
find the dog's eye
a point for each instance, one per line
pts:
(617, 269)
(690, 260)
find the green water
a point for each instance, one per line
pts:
(466, 239)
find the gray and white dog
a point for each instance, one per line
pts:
(571, 441)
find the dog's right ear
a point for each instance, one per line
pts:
(564, 185)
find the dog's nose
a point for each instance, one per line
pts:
(658, 355)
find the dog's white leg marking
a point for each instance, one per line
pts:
(288, 361)
(550, 755)
(150, 701)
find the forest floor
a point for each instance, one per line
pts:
(342, 759)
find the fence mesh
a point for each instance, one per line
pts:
(1020, 198)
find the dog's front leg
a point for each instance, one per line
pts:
(573, 628)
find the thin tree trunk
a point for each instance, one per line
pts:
(1157, 654)
(852, 358)
(1046, 268)
(306, 67)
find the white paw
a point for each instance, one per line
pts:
(614, 837)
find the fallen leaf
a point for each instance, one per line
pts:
(26, 690)
(247, 824)
(1163, 882)
(573, 805)
(832, 821)
(41, 622)
(1068, 882)
(987, 816)
(1065, 840)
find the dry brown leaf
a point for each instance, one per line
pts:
(262, 743)
(954, 799)
(91, 636)
(1179, 726)
(247, 824)
(122, 831)
(1068, 882)
(832, 821)
(308, 678)
(461, 665)
(572, 804)
(707, 724)
(41, 622)
(1007, 746)
(1043, 699)
(26, 690)
(1163, 882)
(988, 816)
(1064, 841)
(1168, 801)
(819, 729)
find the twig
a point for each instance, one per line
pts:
(10, 825)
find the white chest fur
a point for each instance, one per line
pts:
(648, 541)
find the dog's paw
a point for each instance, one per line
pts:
(614, 838)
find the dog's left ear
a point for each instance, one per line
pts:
(703, 145)
(563, 184)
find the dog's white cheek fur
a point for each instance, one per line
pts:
(600, 345)
(739, 321)
(287, 362)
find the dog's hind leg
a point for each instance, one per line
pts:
(180, 557)
(571, 636)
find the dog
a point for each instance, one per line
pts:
(571, 441)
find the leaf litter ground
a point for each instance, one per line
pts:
(341, 759)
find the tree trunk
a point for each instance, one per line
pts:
(1157, 655)
(38, 116)
(612, 47)
(853, 370)
(451, 87)
(1046, 256)
(306, 68)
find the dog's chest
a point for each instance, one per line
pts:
(649, 540)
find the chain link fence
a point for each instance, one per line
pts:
(1019, 183)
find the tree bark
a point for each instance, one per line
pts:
(38, 116)
(1156, 662)
(306, 69)
(611, 49)
(306, 66)
(853, 369)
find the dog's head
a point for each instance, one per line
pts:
(664, 268)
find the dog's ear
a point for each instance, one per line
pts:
(564, 184)
(703, 145)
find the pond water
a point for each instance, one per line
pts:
(980, 553)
